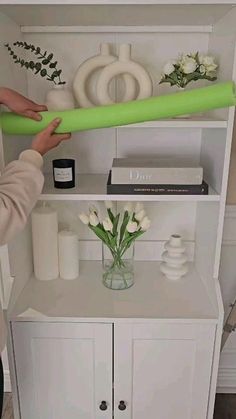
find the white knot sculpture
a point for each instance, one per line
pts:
(174, 264)
(89, 67)
(121, 67)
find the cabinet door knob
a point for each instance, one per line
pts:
(103, 405)
(122, 405)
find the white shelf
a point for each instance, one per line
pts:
(119, 12)
(151, 297)
(192, 122)
(93, 188)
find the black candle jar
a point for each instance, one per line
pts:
(64, 173)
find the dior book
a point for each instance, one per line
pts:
(151, 189)
(155, 172)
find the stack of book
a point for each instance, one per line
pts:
(143, 176)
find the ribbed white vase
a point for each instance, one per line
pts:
(59, 99)
(174, 258)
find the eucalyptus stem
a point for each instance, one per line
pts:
(41, 66)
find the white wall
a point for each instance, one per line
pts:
(227, 370)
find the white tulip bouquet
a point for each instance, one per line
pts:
(188, 68)
(117, 231)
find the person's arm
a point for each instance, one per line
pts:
(21, 182)
(20, 104)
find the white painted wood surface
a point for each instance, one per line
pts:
(148, 12)
(108, 28)
(151, 297)
(64, 370)
(145, 358)
(93, 188)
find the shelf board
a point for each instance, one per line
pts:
(192, 122)
(151, 297)
(93, 188)
(120, 12)
(119, 29)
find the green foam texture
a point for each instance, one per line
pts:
(219, 95)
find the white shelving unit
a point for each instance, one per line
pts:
(159, 340)
(93, 188)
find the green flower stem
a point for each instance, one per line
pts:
(43, 60)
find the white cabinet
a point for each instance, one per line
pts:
(160, 370)
(63, 370)
(163, 371)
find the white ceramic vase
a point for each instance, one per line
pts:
(174, 258)
(125, 65)
(59, 99)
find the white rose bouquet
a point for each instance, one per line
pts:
(117, 231)
(188, 68)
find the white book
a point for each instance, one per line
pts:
(155, 171)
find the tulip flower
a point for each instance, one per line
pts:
(107, 224)
(84, 218)
(128, 207)
(138, 207)
(140, 215)
(93, 219)
(132, 226)
(145, 224)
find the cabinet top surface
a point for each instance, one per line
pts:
(151, 297)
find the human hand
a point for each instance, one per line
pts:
(20, 104)
(47, 139)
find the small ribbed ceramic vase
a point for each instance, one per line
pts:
(59, 99)
(174, 258)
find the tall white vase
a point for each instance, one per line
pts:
(174, 258)
(124, 65)
(59, 99)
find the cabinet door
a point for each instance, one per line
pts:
(162, 371)
(64, 371)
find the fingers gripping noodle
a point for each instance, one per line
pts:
(219, 95)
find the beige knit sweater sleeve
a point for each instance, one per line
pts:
(21, 183)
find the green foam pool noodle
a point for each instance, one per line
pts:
(219, 95)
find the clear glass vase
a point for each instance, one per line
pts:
(178, 90)
(118, 271)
